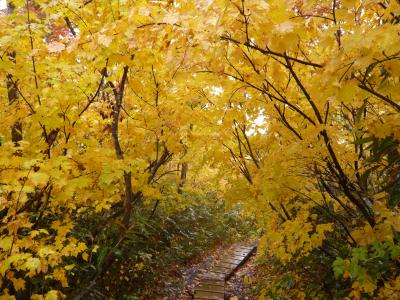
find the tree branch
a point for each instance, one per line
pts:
(269, 52)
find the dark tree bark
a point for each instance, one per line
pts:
(12, 91)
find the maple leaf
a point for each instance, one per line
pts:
(19, 283)
(104, 40)
(171, 18)
(69, 267)
(144, 11)
(33, 265)
(81, 247)
(286, 26)
(52, 295)
(55, 47)
(59, 274)
(39, 178)
(85, 256)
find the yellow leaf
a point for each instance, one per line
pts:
(45, 251)
(171, 18)
(34, 233)
(81, 247)
(39, 178)
(6, 296)
(144, 11)
(286, 26)
(33, 264)
(44, 231)
(52, 295)
(13, 259)
(59, 274)
(5, 65)
(69, 267)
(85, 256)
(55, 47)
(19, 283)
(104, 40)
(5, 243)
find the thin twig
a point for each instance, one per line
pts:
(269, 52)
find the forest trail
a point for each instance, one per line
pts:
(212, 281)
(139, 140)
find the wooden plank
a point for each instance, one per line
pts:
(229, 257)
(206, 298)
(211, 291)
(209, 295)
(221, 270)
(217, 271)
(212, 275)
(239, 251)
(212, 282)
(232, 261)
(210, 287)
(239, 258)
(227, 265)
(218, 266)
(240, 255)
(243, 252)
(244, 248)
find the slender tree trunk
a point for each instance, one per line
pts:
(12, 91)
(119, 94)
(185, 168)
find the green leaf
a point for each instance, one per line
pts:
(379, 249)
(338, 267)
(360, 253)
(354, 269)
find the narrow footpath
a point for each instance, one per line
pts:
(223, 277)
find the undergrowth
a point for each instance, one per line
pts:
(135, 266)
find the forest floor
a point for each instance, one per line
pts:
(181, 284)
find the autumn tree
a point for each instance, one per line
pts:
(288, 108)
(97, 97)
(323, 177)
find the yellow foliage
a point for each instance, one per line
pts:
(272, 105)
(59, 274)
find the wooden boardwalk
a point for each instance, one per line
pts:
(212, 284)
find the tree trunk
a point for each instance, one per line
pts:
(12, 91)
(184, 171)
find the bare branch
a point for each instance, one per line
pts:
(380, 96)
(268, 51)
